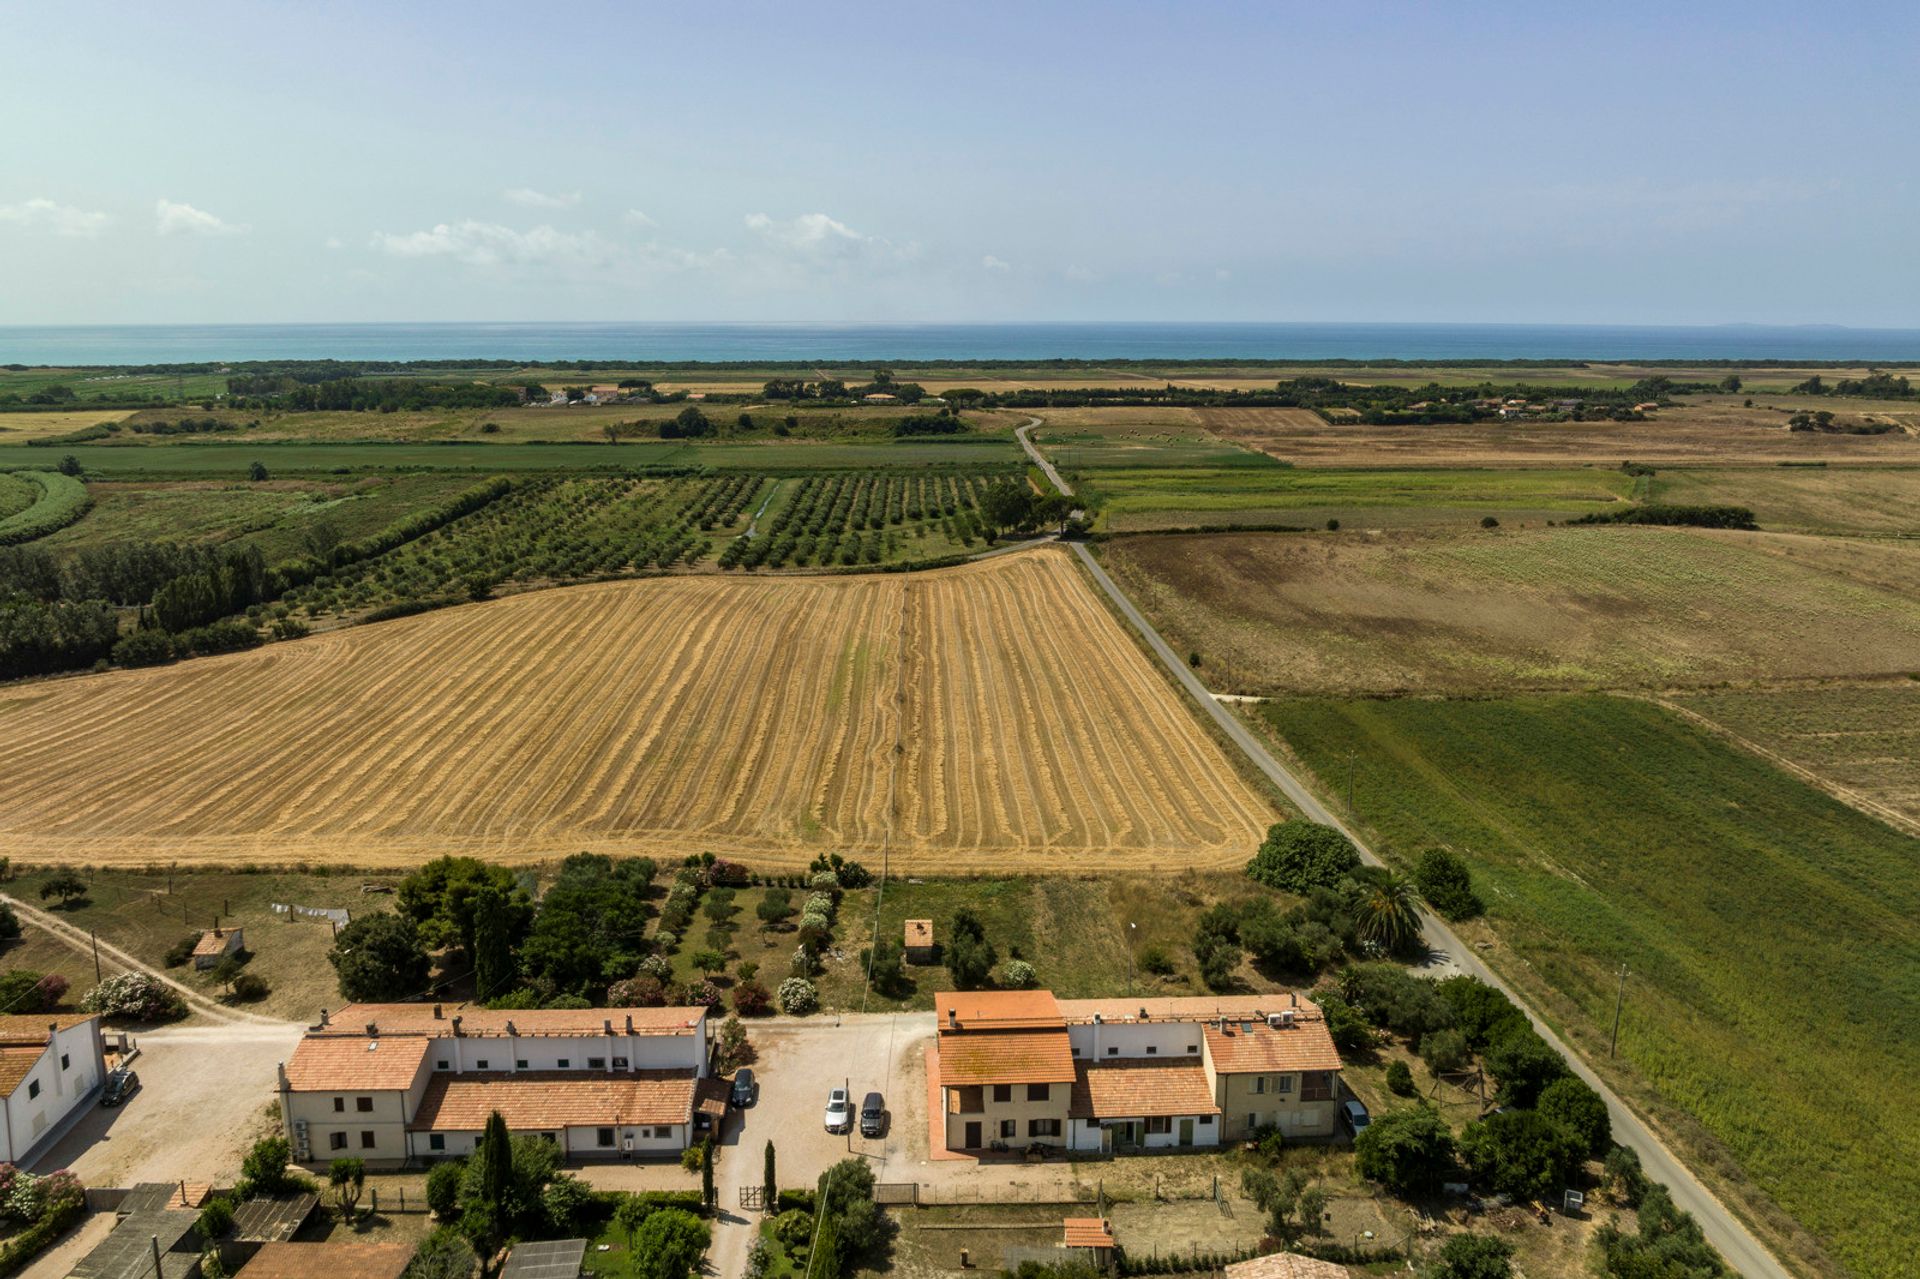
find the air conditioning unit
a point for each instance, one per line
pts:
(1282, 1019)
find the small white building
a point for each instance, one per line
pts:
(217, 945)
(50, 1066)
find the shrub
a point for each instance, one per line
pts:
(1154, 959)
(1446, 884)
(248, 987)
(1575, 1106)
(443, 1187)
(1472, 1256)
(657, 966)
(1400, 1079)
(751, 999)
(1407, 1151)
(1298, 856)
(216, 1218)
(1444, 1051)
(1624, 1176)
(1018, 974)
(134, 997)
(1521, 1153)
(700, 994)
(143, 648)
(181, 951)
(798, 996)
(805, 962)
(644, 991)
(824, 880)
(1524, 1064)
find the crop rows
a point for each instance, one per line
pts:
(61, 500)
(841, 519)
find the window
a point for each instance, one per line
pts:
(1259, 1084)
(1159, 1123)
(520, 1063)
(663, 1132)
(363, 1104)
(1152, 1049)
(564, 1063)
(1076, 1050)
(336, 1141)
(481, 1064)
(1043, 1127)
(1316, 1085)
(1009, 1128)
(339, 1105)
(63, 1061)
(1283, 1083)
(33, 1088)
(367, 1141)
(1003, 1092)
(1193, 1048)
(619, 1063)
(1206, 1121)
(596, 1063)
(603, 1136)
(1113, 1052)
(440, 1064)
(1253, 1120)
(436, 1141)
(1039, 1092)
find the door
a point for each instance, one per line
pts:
(973, 1134)
(1186, 1132)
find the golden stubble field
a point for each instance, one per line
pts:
(992, 717)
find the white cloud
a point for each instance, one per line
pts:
(1221, 273)
(490, 244)
(335, 242)
(171, 218)
(528, 198)
(58, 219)
(634, 217)
(992, 263)
(819, 238)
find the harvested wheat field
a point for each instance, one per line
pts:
(757, 719)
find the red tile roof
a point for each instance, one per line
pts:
(419, 1019)
(16, 1063)
(919, 933)
(1005, 1057)
(1138, 1087)
(996, 1009)
(1088, 1232)
(328, 1261)
(341, 1063)
(1264, 1049)
(531, 1100)
(1187, 1008)
(215, 943)
(33, 1028)
(1286, 1265)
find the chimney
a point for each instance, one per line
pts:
(323, 1017)
(511, 1032)
(629, 1023)
(438, 1012)
(1293, 998)
(953, 1018)
(373, 1030)
(456, 1026)
(606, 1026)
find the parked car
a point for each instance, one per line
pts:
(1356, 1116)
(839, 1111)
(873, 1116)
(121, 1084)
(742, 1088)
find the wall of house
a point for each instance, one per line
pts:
(579, 1142)
(547, 1052)
(1019, 1110)
(386, 1122)
(1276, 1102)
(1088, 1135)
(1103, 1041)
(50, 1091)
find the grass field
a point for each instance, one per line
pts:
(16, 495)
(755, 719)
(1853, 499)
(1772, 933)
(1532, 609)
(1705, 431)
(1862, 742)
(16, 428)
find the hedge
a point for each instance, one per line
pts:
(63, 500)
(20, 1251)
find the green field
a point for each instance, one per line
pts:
(16, 495)
(1772, 933)
(1811, 499)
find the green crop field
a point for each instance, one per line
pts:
(1813, 499)
(1772, 933)
(16, 495)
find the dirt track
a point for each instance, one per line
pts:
(753, 718)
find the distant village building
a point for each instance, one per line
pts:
(50, 1066)
(919, 941)
(216, 946)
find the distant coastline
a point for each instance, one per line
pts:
(911, 343)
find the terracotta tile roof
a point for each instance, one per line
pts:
(1005, 1057)
(1088, 1232)
(328, 1261)
(1305, 1045)
(919, 933)
(16, 1062)
(418, 1019)
(1286, 1265)
(338, 1063)
(1187, 1008)
(712, 1095)
(215, 943)
(547, 1099)
(32, 1028)
(1001, 1009)
(1138, 1087)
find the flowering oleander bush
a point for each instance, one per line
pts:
(798, 997)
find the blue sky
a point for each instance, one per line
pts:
(1699, 163)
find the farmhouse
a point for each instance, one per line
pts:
(217, 945)
(50, 1066)
(1021, 1067)
(919, 941)
(397, 1083)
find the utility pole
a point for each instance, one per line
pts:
(1131, 929)
(1619, 1001)
(96, 956)
(1349, 781)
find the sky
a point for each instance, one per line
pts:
(1543, 162)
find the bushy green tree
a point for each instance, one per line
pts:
(443, 897)
(968, 955)
(443, 1254)
(1408, 1151)
(844, 1198)
(1448, 887)
(1300, 855)
(1470, 1256)
(379, 958)
(1521, 1153)
(668, 1245)
(591, 925)
(1524, 1064)
(1575, 1106)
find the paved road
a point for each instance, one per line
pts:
(1735, 1242)
(1039, 458)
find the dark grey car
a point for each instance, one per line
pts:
(873, 1116)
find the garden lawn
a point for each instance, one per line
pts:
(1772, 934)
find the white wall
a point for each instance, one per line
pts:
(546, 1052)
(1169, 1038)
(30, 1119)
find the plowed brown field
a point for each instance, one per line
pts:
(757, 719)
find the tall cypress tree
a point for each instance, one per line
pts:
(771, 1191)
(496, 1165)
(706, 1173)
(493, 967)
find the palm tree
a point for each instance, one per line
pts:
(1386, 911)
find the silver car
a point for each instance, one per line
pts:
(839, 1111)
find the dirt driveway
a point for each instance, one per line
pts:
(203, 1100)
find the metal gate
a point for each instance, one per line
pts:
(754, 1197)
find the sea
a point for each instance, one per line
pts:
(110, 344)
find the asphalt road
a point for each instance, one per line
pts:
(1724, 1230)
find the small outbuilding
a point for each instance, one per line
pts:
(217, 945)
(1092, 1237)
(919, 941)
(1287, 1265)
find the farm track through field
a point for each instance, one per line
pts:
(754, 718)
